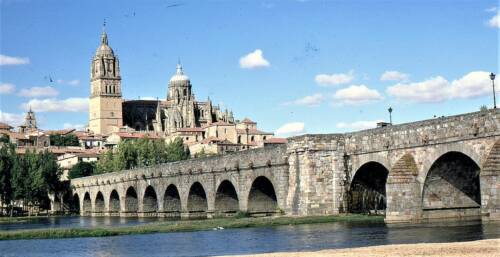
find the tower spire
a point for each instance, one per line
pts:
(179, 67)
(104, 36)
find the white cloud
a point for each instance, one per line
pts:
(74, 126)
(394, 76)
(357, 94)
(11, 118)
(11, 60)
(74, 104)
(494, 22)
(291, 129)
(310, 100)
(358, 125)
(334, 79)
(7, 88)
(73, 82)
(254, 60)
(438, 89)
(39, 92)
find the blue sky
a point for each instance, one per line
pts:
(292, 66)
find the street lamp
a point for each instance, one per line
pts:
(492, 77)
(390, 115)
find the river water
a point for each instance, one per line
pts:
(238, 241)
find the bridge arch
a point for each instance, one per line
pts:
(367, 192)
(197, 199)
(262, 196)
(131, 200)
(114, 202)
(226, 198)
(150, 200)
(75, 203)
(452, 186)
(439, 151)
(87, 204)
(99, 202)
(172, 201)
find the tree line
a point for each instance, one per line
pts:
(131, 154)
(29, 177)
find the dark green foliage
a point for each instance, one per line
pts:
(66, 140)
(7, 161)
(4, 139)
(34, 176)
(81, 169)
(141, 153)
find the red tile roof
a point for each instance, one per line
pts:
(248, 121)
(59, 132)
(252, 132)
(137, 135)
(276, 140)
(191, 130)
(5, 126)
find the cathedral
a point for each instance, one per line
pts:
(179, 115)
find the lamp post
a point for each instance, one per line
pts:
(492, 77)
(390, 115)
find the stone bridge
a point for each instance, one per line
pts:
(441, 168)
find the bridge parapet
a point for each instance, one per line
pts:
(427, 132)
(250, 159)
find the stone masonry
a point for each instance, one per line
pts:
(440, 168)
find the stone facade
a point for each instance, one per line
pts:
(105, 103)
(441, 168)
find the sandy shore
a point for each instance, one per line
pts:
(483, 248)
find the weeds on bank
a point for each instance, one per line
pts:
(240, 220)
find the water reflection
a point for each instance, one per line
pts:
(75, 222)
(252, 240)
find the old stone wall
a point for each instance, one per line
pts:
(313, 174)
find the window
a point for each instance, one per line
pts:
(252, 138)
(264, 138)
(112, 114)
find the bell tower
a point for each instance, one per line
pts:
(105, 103)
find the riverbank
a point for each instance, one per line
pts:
(483, 248)
(182, 225)
(21, 219)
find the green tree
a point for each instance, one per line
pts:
(81, 169)
(66, 140)
(34, 176)
(7, 161)
(5, 139)
(176, 151)
(106, 163)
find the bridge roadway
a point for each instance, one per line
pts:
(441, 168)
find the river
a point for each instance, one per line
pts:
(237, 241)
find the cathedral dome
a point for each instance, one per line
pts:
(179, 75)
(104, 49)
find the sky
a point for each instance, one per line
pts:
(295, 67)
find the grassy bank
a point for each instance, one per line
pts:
(21, 219)
(182, 225)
